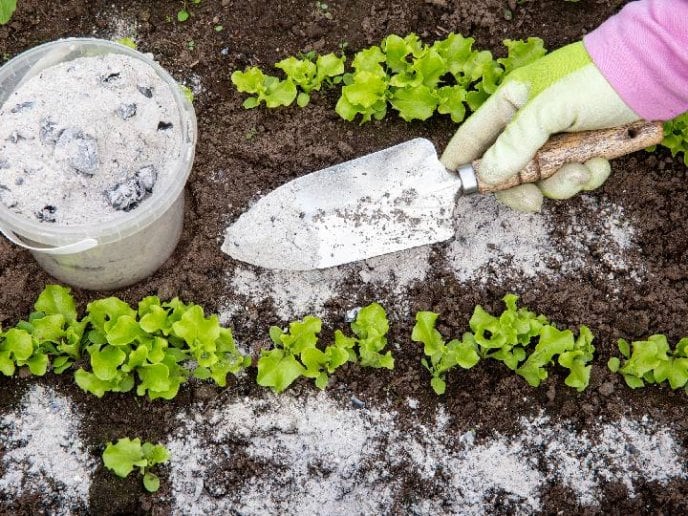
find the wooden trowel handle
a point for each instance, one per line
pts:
(578, 148)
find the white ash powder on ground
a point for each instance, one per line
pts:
(491, 234)
(317, 455)
(42, 453)
(87, 140)
(397, 271)
(496, 243)
(295, 294)
(493, 243)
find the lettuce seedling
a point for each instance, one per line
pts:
(295, 352)
(676, 136)
(507, 338)
(7, 8)
(443, 356)
(210, 345)
(652, 361)
(310, 73)
(121, 458)
(151, 344)
(266, 88)
(279, 367)
(365, 90)
(573, 354)
(371, 327)
(577, 360)
(52, 331)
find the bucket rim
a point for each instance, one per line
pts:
(158, 203)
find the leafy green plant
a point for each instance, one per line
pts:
(676, 136)
(309, 73)
(413, 78)
(51, 331)
(442, 356)
(264, 88)
(151, 343)
(370, 328)
(7, 8)
(652, 361)
(574, 354)
(507, 338)
(295, 352)
(184, 14)
(417, 80)
(121, 458)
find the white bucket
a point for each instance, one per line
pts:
(111, 254)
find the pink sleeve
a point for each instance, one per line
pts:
(643, 53)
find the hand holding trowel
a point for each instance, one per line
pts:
(404, 196)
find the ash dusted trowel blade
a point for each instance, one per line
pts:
(390, 200)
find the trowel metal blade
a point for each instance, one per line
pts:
(394, 199)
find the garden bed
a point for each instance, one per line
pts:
(377, 441)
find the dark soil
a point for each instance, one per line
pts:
(243, 154)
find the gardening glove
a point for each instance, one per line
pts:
(561, 92)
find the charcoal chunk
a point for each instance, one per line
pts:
(47, 213)
(24, 106)
(164, 126)
(79, 150)
(6, 197)
(15, 137)
(111, 78)
(146, 177)
(126, 111)
(146, 91)
(48, 132)
(127, 195)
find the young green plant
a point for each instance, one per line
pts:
(184, 13)
(295, 352)
(507, 338)
(7, 8)
(441, 356)
(652, 361)
(152, 344)
(127, 454)
(52, 332)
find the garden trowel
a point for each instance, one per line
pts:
(394, 199)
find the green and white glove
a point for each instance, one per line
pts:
(560, 92)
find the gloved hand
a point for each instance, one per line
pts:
(560, 92)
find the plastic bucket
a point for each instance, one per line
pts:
(105, 255)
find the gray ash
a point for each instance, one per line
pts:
(47, 214)
(48, 132)
(126, 111)
(79, 150)
(24, 106)
(6, 197)
(146, 91)
(127, 195)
